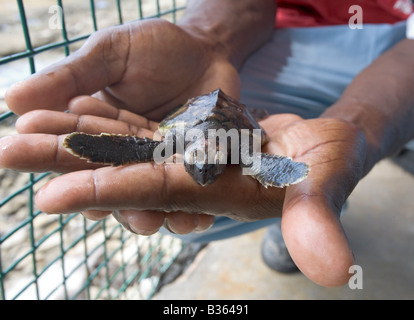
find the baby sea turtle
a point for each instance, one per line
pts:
(205, 157)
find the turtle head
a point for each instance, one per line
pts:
(203, 164)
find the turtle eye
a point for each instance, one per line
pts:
(202, 170)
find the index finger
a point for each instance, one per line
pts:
(165, 187)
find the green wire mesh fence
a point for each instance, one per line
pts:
(68, 256)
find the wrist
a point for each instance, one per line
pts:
(202, 34)
(214, 41)
(231, 29)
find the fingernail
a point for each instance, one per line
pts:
(118, 217)
(167, 226)
(200, 229)
(142, 232)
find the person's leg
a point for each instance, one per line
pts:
(305, 70)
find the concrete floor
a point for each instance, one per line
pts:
(379, 223)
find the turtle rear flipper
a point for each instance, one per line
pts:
(110, 149)
(278, 171)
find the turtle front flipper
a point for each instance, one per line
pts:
(278, 171)
(110, 149)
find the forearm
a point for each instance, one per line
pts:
(380, 101)
(234, 28)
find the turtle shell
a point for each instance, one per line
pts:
(214, 108)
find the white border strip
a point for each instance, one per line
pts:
(410, 27)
